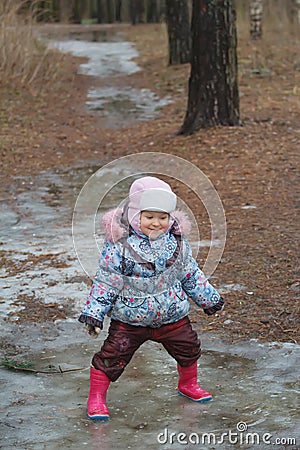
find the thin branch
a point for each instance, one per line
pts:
(48, 372)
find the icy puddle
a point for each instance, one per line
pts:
(254, 386)
(105, 59)
(119, 104)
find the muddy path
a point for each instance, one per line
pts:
(254, 383)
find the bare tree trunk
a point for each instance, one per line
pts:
(110, 9)
(213, 97)
(152, 15)
(256, 11)
(297, 5)
(178, 24)
(118, 10)
(66, 10)
(83, 9)
(136, 11)
(101, 11)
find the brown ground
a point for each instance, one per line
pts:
(48, 128)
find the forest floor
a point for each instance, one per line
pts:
(256, 164)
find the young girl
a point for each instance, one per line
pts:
(146, 275)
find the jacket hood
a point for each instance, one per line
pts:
(115, 230)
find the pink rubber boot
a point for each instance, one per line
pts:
(96, 405)
(188, 386)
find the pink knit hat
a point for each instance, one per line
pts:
(149, 194)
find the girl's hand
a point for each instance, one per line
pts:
(216, 308)
(92, 330)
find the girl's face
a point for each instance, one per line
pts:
(154, 223)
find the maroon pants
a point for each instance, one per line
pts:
(179, 339)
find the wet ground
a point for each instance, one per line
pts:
(255, 385)
(118, 103)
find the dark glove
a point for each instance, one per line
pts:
(213, 309)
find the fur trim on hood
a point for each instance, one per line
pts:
(182, 224)
(115, 230)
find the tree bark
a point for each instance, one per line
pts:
(118, 10)
(84, 9)
(110, 9)
(101, 14)
(136, 11)
(297, 6)
(213, 97)
(256, 10)
(178, 25)
(66, 10)
(152, 15)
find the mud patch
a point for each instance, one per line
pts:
(26, 261)
(32, 309)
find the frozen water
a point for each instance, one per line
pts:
(254, 384)
(105, 59)
(139, 103)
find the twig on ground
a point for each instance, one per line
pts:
(14, 366)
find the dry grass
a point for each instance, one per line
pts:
(24, 58)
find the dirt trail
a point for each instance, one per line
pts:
(254, 167)
(50, 145)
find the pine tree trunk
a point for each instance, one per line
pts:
(66, 10)
(256, 10)
(213, 97)
(297, 5)
(178, 24)
(110, 9)
(101, 16)
(118, 10)
(84, 9)
(152, 15)
(136, 11)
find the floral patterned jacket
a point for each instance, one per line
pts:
(147, 282)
